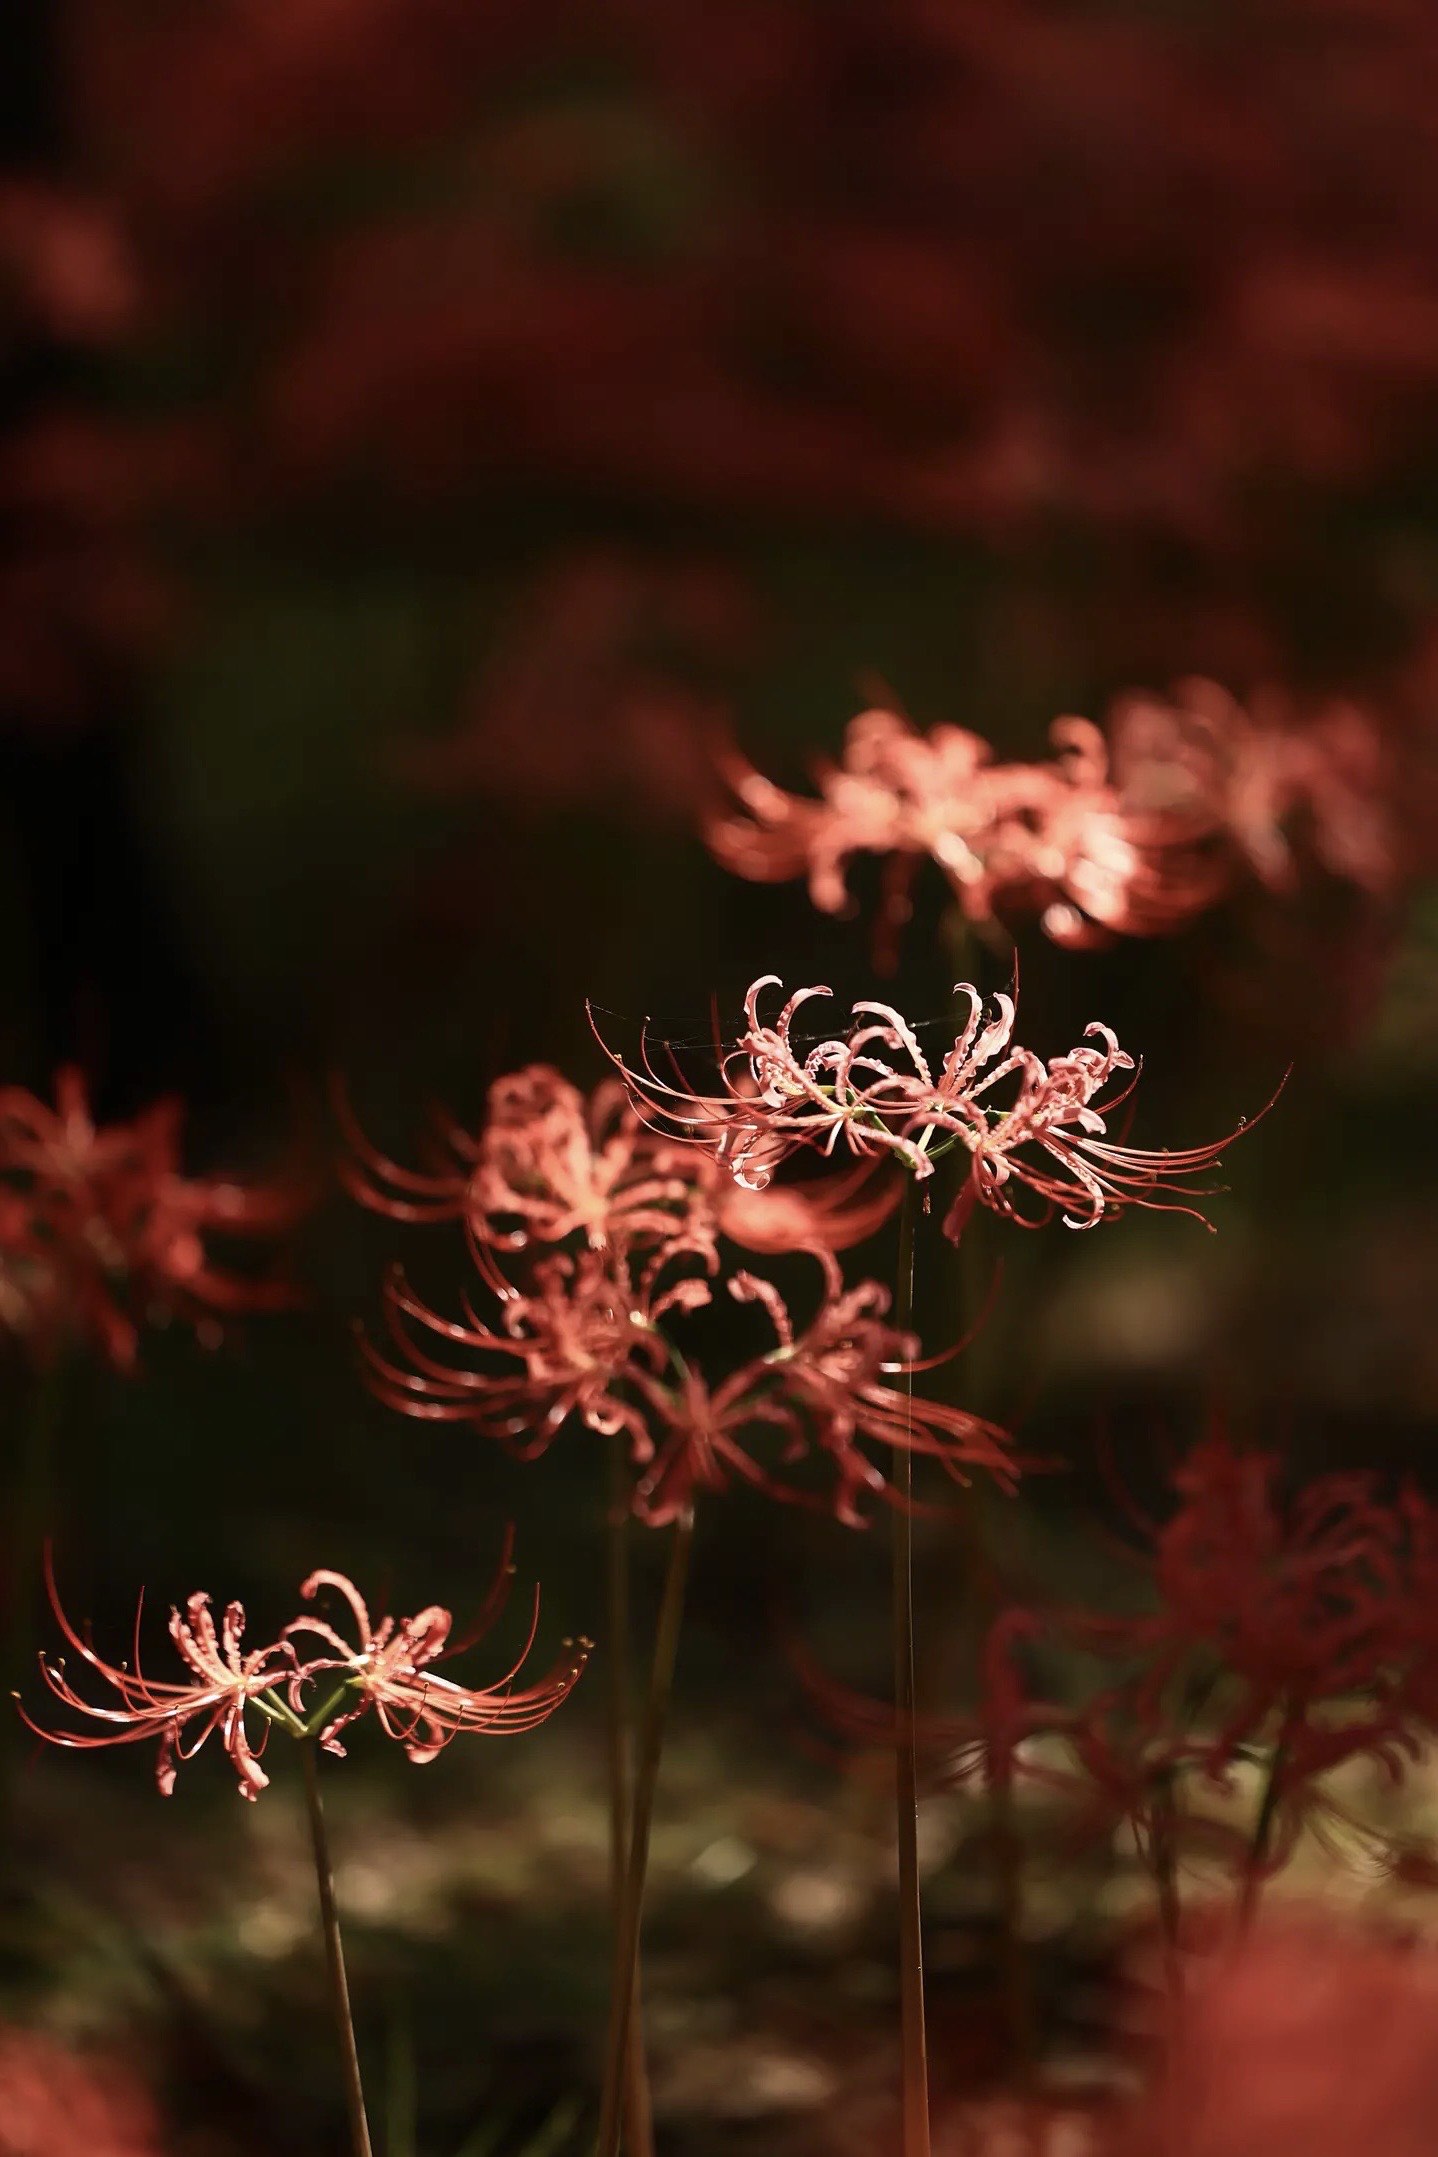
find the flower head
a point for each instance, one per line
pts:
(1132, 833)
(1028, 1127)
(551, 1166)
(225, 1687)
(100, 1228)
(593, 1344)
(564, 1348)
(388, 1668)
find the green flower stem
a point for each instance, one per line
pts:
(906, 1780)
(638, 2122)
(334, 1956)
(651, 1744)
(1252, 1886)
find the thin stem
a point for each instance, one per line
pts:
(906, 1776)
(335, 1955)
(638, 2120)
(1253, 1870)
(651, 1745)
(1013, 1962)
(1165, 1875)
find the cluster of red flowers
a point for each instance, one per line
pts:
(889, 265)
(101, 1231)
(244, 1693)
(873, 1089)
(1283, 1639)
(969, 269)
(1132, 832)
(599, 1238)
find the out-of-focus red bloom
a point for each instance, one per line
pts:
(873, 1090)
(59, 2103)
(1309, 2040)
(64, 263)
(224, 1689)
(825, 1389)
(551, 1164)
(80, 594)
(1289, 1630)
(1134, 834)
(953, 1751)
(100, 1230)
(1283, 1640)
(608, 685)
(388, 1669)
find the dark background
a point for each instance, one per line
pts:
(436, 425)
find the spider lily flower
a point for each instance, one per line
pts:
(1297, 1627)
(837, 1370)
(225, 1687)
(1132, 831)
(1058, 839)
(1028, 1126)
(552, 1166)
(1309, 1601)
(388, 1668)
(570, 1346)
(547, 1165)
(100, 1228)
(591, 1343)
(823, 1394)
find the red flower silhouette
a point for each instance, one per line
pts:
(101, 1230)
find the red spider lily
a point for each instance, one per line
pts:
(589, 1342)
(388, 1669)
(570, 1346)
(547, 1165)
(99, 1227)
(835, 1371)
(1131, 836)
(550, 1165)
(224, 1686)
(1288, 1639)
(1295, 1630)
(1298, 1603)
(559, 1165)
(823, 1392)
(1255, 783)
(874, 1091)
